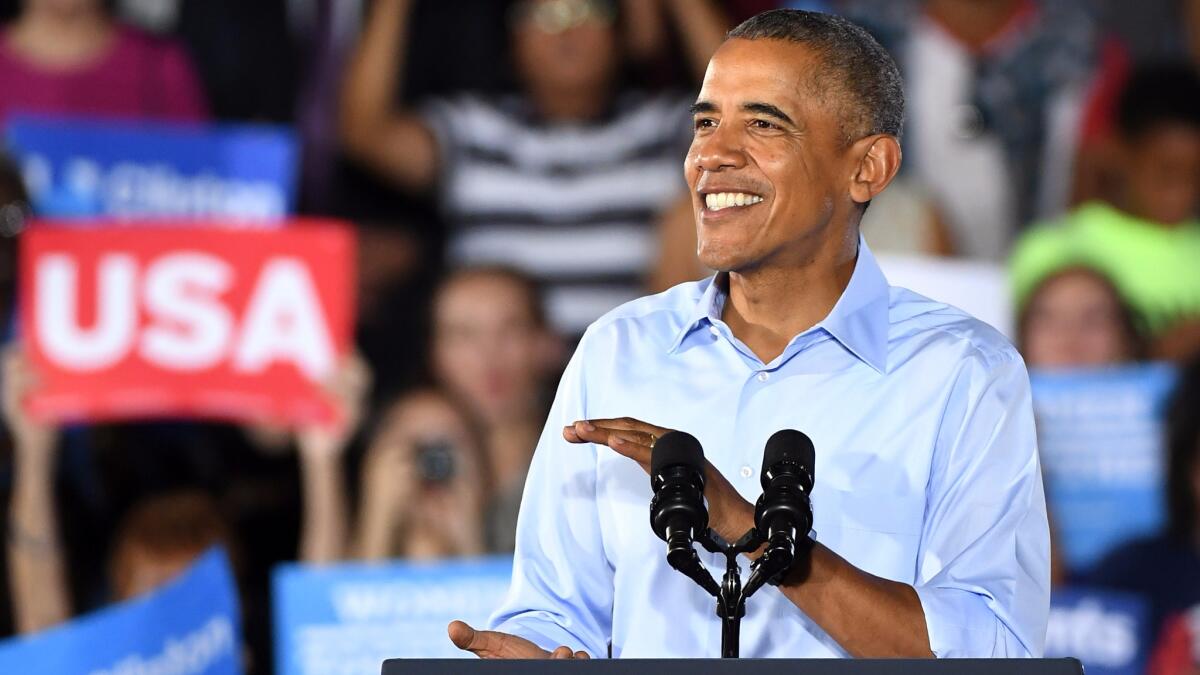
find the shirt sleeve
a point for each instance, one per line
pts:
(983, 571)
(562, 584)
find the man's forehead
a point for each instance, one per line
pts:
(778, 70)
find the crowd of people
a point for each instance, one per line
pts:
(512, 168)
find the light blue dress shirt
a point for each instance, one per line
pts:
(926, 473)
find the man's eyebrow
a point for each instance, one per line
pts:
(702, 107)
(768, 110)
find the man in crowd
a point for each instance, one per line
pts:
(930, 534)
(996, 89)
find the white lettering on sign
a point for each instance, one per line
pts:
(191, 654)
(407, 600)
(155, 189)
(56, 309)
(189, 326)
(283, 323)
(1091, 634)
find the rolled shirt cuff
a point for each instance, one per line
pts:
(961, 625)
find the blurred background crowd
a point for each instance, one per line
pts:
(513, 170)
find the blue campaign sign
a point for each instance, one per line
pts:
(1109, 632)
(188, 627)
(346, 619)
(1100, 435)
(83, 167)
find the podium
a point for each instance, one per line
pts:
(739, 666)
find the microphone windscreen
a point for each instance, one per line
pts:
(789, 445)
(674, 448)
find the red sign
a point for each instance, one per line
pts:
(201, 320)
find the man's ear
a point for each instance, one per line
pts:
(879, 160)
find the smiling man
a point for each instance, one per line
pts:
(930, 521)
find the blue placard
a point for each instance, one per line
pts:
(346, 619)
(1107, 631)
(1100, 435)
(82, 168)
(191, 625)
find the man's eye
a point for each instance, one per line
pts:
(763, 124)
(705, 123)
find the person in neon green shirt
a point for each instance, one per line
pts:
(1148, 241)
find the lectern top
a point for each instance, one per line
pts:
(738, 666)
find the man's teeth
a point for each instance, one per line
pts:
(716, 201)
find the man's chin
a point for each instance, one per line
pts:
(728, 261)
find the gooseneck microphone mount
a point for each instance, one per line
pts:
(731, 595)
(782, 516)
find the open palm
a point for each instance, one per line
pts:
(488, 644)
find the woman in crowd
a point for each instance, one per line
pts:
(527, 180)
(1077, 318)
(72, 57)
(470, 434)
(424, 483)
(493, 350)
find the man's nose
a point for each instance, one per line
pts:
(722, 149)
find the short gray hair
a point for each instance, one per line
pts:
(857, 69)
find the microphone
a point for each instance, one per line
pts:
(783, 514)
(678, 514)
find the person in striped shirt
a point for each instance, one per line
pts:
(565, 180)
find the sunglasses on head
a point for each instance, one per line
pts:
(558, 16)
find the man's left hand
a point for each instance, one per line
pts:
(728, 514)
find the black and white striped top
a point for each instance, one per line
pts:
(575, 205)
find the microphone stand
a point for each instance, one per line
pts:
(677, 515)
(731, 596)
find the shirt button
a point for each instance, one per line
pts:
(764, 376)
(747, 472)
(713, 329)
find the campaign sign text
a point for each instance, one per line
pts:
(190, 626)
(346, 619)
(1100, 436)
(198, 321)
(83, 167)
(1107, 631)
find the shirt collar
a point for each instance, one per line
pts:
(858, 320)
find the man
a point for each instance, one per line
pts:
(930, 521)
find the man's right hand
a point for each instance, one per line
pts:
(487, 644)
